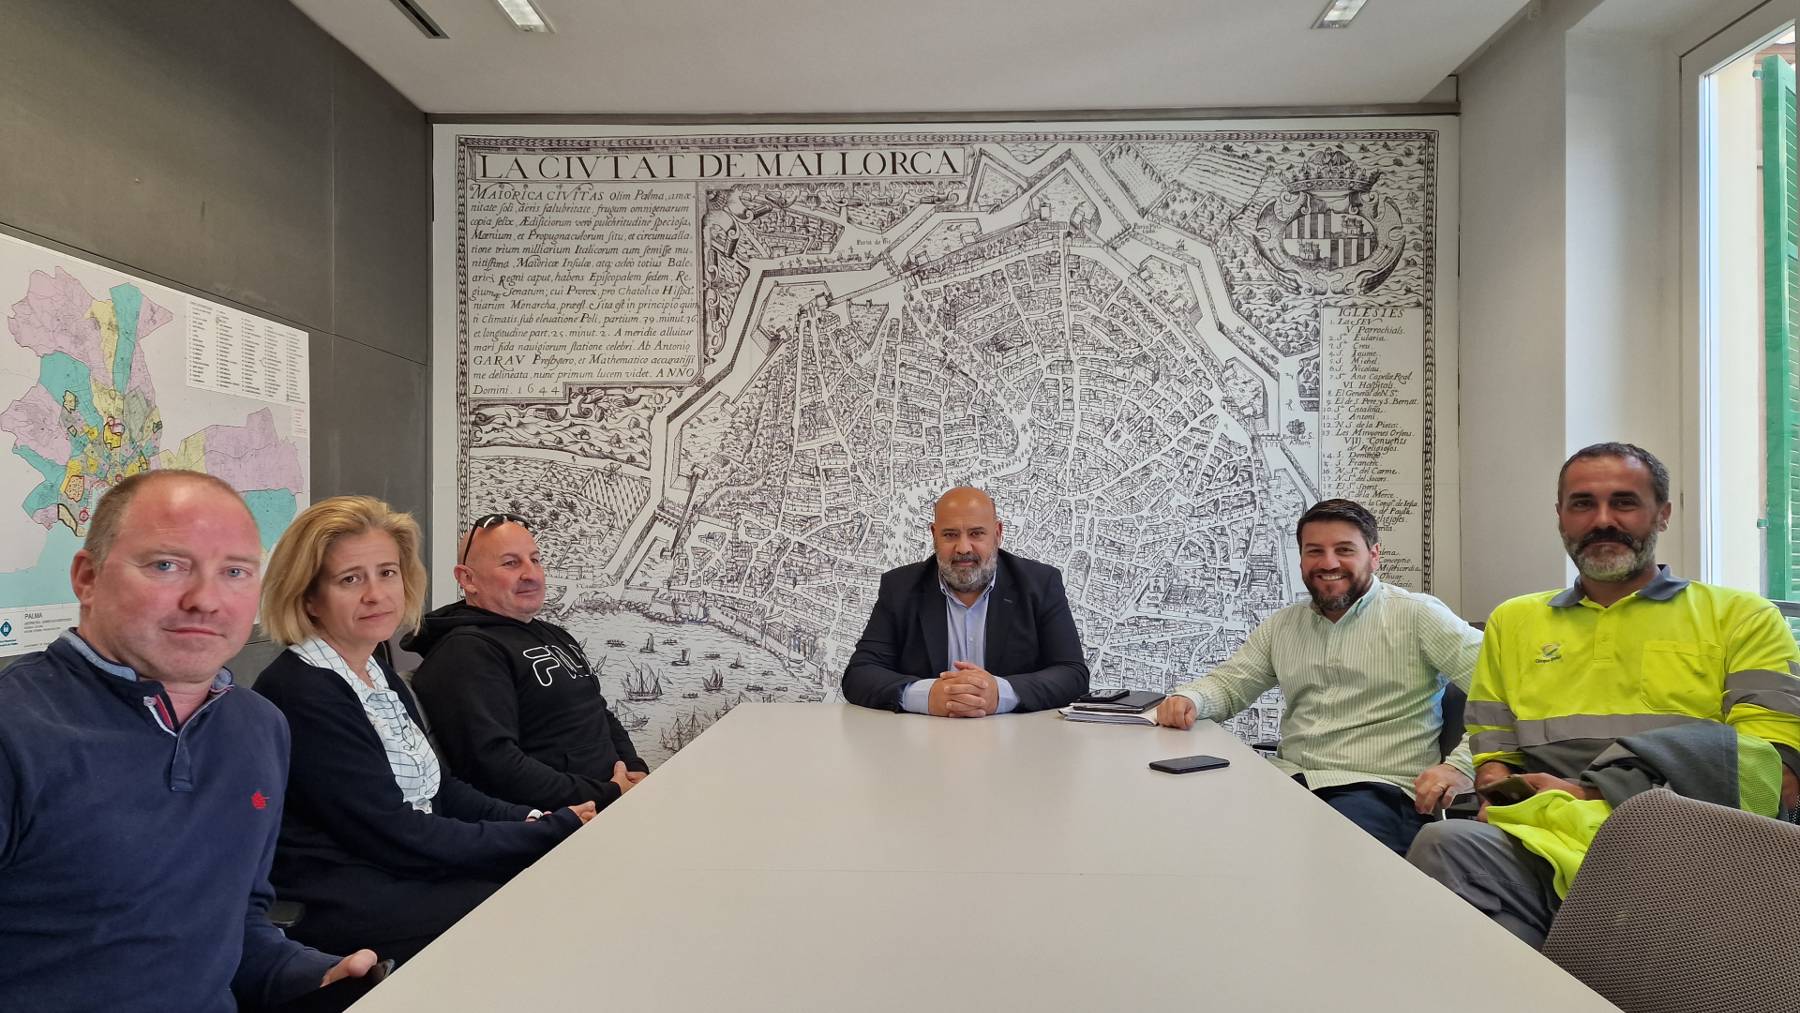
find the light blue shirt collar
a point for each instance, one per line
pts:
(220, 683)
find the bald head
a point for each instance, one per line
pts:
(965, 529)
(965, 500)
(501, 570)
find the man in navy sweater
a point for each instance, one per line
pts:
(140, 792)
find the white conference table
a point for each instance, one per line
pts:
(821, 857)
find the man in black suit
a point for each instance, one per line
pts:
(973, 631)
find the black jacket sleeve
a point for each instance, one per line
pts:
(1063, 674)
(466, 687)
(340, 775)
(871, 678)
(622, 742)
(460, 800)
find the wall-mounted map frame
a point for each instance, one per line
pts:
(727, 368)
(105, 373)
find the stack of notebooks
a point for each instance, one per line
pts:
(1137, 707)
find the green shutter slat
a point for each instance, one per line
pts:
(1781, 300)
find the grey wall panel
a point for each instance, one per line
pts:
(327, 447)
(382, 242)
(233, 149)
(190, 140)
(369, 427)
(250, 661)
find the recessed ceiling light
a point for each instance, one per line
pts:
(1337, 14)
(527, 18)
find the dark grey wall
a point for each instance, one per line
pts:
(233, 149)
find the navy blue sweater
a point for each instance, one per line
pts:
(346, 809)
(134, 858)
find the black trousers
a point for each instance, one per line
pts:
(1381, 809)
(355, 907)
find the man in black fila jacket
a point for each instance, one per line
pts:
(515, 707)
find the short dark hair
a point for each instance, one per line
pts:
(1348, 511)
(1659, 475)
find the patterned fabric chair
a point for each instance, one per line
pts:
(1683, 906)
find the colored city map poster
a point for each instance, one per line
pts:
(104, 375)
(726, 372)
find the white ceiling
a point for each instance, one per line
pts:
(1664, 18)
(898, 56)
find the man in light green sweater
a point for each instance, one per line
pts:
(1362, 667)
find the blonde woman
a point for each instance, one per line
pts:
(379, 842)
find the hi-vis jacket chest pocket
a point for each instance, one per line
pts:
(1682, 677)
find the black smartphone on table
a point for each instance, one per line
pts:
(1189, 764)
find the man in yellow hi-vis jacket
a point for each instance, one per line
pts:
(1629, 649)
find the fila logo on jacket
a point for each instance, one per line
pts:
(547, 660)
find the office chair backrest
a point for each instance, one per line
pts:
(1454, 702)
(1683, 906)
(1451, 734)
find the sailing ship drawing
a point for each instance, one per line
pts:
(682, 731)
(631, 720)
(643, 685)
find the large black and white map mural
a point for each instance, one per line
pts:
(727, 371)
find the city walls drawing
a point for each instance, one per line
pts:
(726, 372)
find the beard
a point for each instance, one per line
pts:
(966, 579)
(1359, 586)
(1609, 555)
